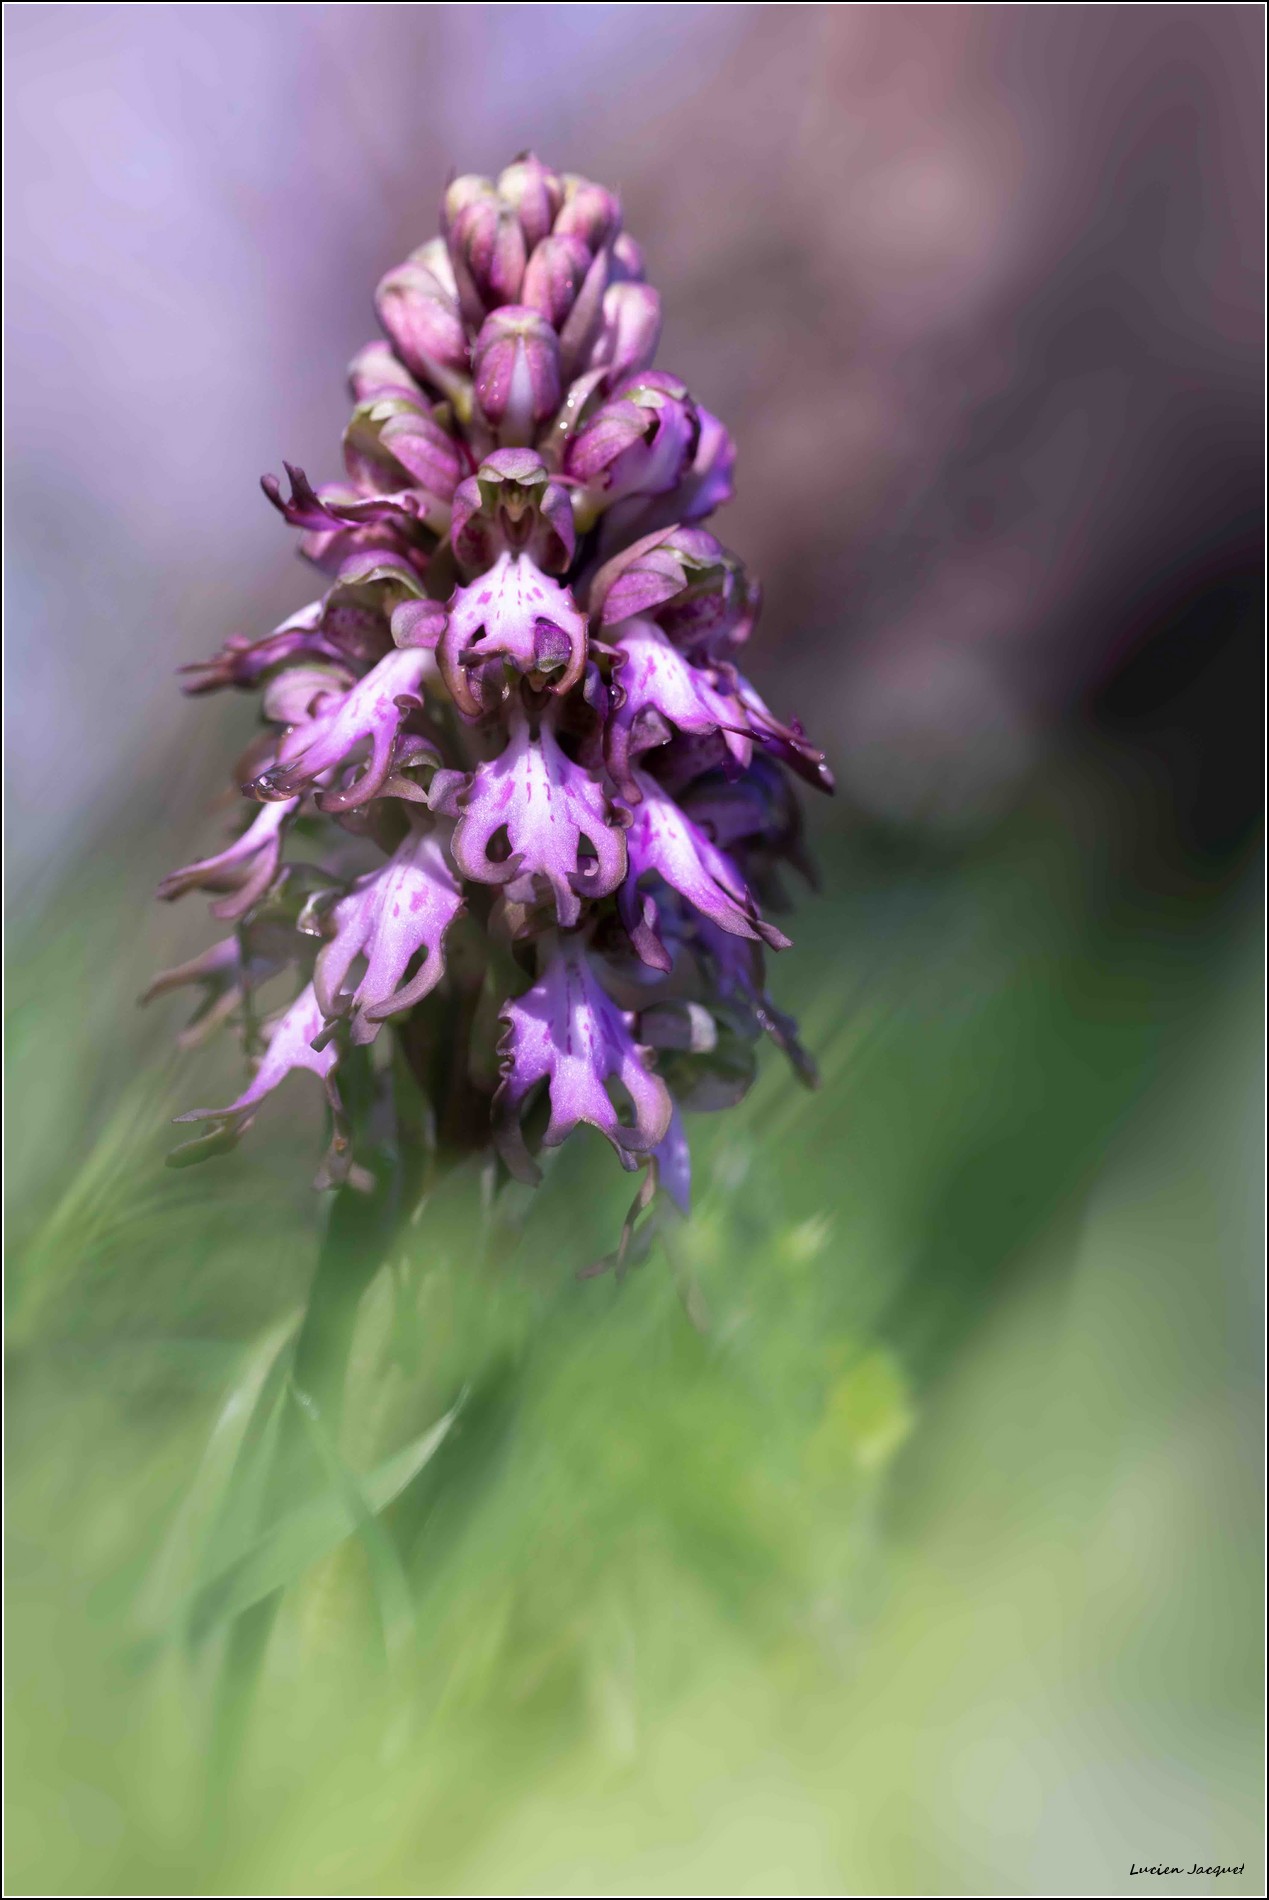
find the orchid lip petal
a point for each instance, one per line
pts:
(373, 712)
(548, 806)
(405, 906)
(568, 1032)
(504, 613)
(664, 841)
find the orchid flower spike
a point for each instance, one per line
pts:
(513, 808)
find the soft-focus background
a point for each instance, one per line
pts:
(905, 1537)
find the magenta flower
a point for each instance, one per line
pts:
(514, 803)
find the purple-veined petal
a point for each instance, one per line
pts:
(245, 869)
(568, 1032)
(519, 613)
(389, 916)
(371, 713)
(664, 841)
(548, 804)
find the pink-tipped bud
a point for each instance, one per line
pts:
(627, 260)
(487, 247)
(517, 373)
(422, 320)
(631, 329)
(554, 275)
(535, 194)
(588, 212)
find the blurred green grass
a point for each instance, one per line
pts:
(925, 1562)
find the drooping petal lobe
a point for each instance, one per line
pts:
(290, 1047)
(388, 918)
(370, 715)
(245, 869)
(567, 1032)
(663, 840)
(548, 805)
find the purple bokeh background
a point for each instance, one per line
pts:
(976, 288)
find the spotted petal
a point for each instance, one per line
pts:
(405, 906)
(548, 805)
(373, 713)
(567, 1032)
(520, 613)
(663, 840)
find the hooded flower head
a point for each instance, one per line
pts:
(513, 807)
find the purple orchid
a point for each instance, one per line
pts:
(547, 805)
(521, 613)
(539, 805)
(389, 918)
(567, 1032)
(291, 1045)
(371, 713)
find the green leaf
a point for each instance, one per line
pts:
(392, 1590)
(307, 1533)
(218, 1493)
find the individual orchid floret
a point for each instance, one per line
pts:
(663, 842)
(227, 974)
(706, 484)
(641, 442)
(567, 1032)
(245, 663)
(352, 626)
(244, 869)
(393, 446)
(417, 304)
(516, 364)
(548, 806)
(658, 691)
(339, 526)
(511, 506)
(662, 572)
(390, 918)
(372, 713)
(290, 1046)
(520, 614)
